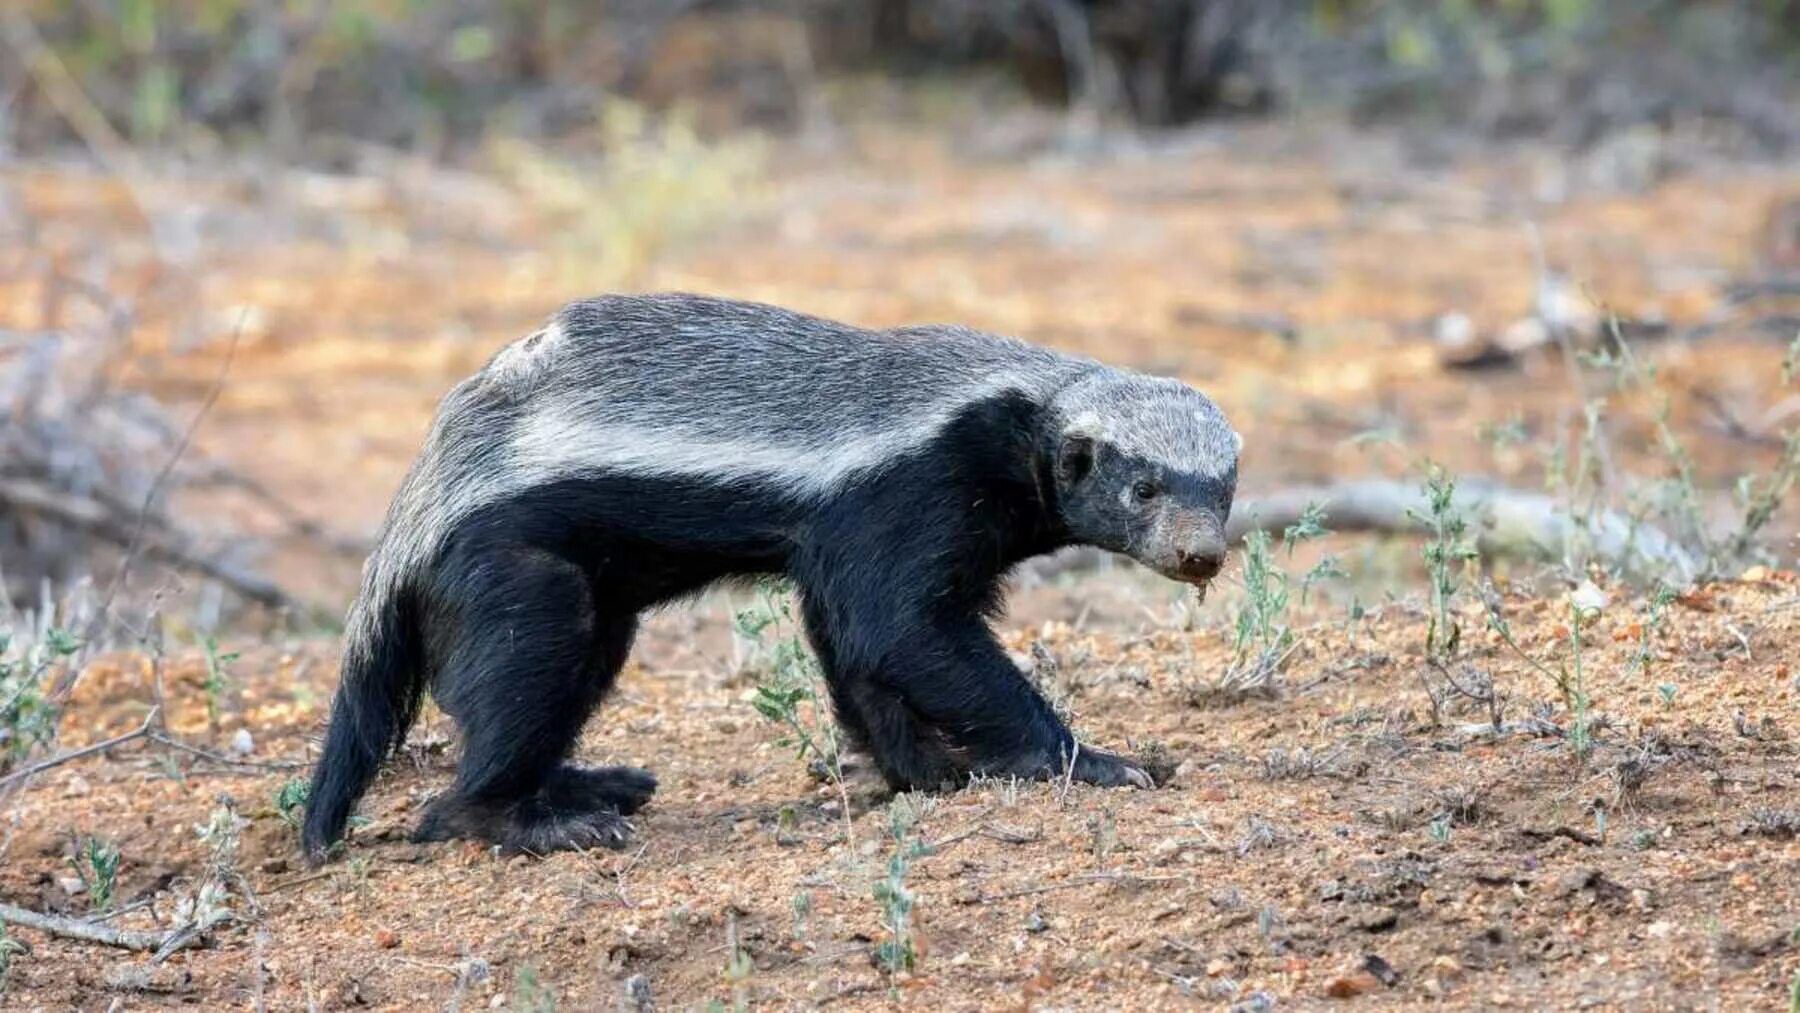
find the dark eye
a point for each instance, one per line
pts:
(1146, 491)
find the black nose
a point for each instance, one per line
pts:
(1200, 563)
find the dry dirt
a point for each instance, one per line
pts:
(1331, 844)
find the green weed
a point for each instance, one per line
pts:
(218, 681)
(1568, 672)
(1675, 501)
(898, 952)
(27, 715)
(1448, 556)
(1439, 829)
(738, 964)
(96, 864)
(1657, 610)
(791, 691)
(290, 801)
(1262, 639)
(9, 949)
(530, 994)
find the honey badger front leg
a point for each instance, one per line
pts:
(961, 682)
(925, 680)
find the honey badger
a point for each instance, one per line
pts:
(640, 448)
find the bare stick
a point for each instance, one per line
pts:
(61, 88)
(165, 739)
(187, 935)
(39, 767)
(162, 478)
(97, 519)
(85, 931)
(1506, 522)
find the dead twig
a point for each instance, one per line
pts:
(85, 931)
(164, 739)
(95, 518)
(162, 944)
(142, 731)
(161, 480)
(1506, 522)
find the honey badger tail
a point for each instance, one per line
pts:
(376, 702)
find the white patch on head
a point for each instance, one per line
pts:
(1160, 420)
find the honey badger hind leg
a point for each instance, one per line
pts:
(523, 656)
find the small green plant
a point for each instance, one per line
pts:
(1262, 638)
(210, 903)
(290, 801)
(1667, 691)
(791, 688)
(1656, 613)
(1439, 829)
(218, 681)
(1568, 676)
(1268, 920)
(1448, 553)
(898, 952)
(1676, 501)
(802, 913)
(531, 994)
(1643, 840)
(9, 948)
(27, 715)
(96, 864)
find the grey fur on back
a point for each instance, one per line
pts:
(695, 386)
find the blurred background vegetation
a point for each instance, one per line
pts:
(308, 76)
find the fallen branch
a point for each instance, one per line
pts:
(142, 731)
(1506, 522)
(85, 931)
(164, 739)
(95, 518)
(161, 944)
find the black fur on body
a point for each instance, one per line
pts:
(640, 449)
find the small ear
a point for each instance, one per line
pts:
(1075, 457)
(1237, 442)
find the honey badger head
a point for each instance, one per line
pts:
(1146, 467)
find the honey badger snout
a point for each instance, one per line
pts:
(1200, 561)
(1192, 549)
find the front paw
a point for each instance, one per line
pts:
(1093, 766)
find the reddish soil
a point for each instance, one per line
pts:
(1332, 842)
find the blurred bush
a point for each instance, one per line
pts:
(432, 74)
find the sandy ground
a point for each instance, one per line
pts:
(1334, 842)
